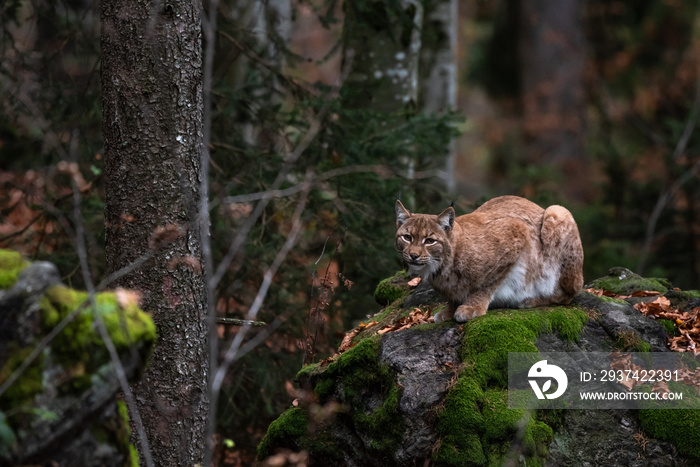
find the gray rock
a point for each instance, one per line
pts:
(426, 363)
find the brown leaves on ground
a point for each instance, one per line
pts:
(349, 336)
(635, 375)
(607, 293)
(687, 323)
(415, 317)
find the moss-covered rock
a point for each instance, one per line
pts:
(81, 341)
(680, 427)
(11, 264)
(622, 281)
(478, 403)
(382, 415)
(61, 407)
(358, 380)
(392, 289)
(290, 427)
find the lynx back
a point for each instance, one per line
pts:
(508, 253)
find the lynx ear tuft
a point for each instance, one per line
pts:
(446, 219)
(402, 214)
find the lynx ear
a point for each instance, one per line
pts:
(402, 214)
(446, 219)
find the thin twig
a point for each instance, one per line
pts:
(381, 170)
(209, 29)
(239, 322)
(665, 196)
(145, 450)
(40, 347)
(689, 125)
(291, 159)
(270, 273)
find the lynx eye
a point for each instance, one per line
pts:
(407, 238)
(429, 241)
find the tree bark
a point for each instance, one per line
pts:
(152, 126)
(384, 41)
(552, 58)
(438, 69)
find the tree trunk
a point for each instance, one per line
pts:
(552, 58)
(152, 125)
(438, 69)
(384, 40)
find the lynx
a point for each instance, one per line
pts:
(509, 253)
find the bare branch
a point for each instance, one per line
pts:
(381, 170)
(239, 322)
(209, 30)
(689, 125)
(145, 450)
(40, 347)
(232, 351)
(242, 234)
(665, 196)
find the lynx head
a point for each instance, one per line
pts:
(424, 240)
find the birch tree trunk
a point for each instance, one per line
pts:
(552, 58)
(152, 125)
(384, 42)
(264, 26)
(438, 69)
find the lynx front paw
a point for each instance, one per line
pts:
(444, 315)
(465, 313)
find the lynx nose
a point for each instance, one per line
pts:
(414, 256)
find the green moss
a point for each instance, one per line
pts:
(285, 431)
(325, 388)
(80, 341)
(679, 427)
(538, 436)
(670, 328)
(624, 282)
(605, 299)
(349, 378)
(359, 368)
(630, 341)
(139, 326)
(11, 264)
(307, 371)
(476, 427)
(684, 294)
(79, 347)
(124, 414)
(29, 384)
(391, 289)
(381, 424)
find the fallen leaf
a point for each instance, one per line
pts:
(127, 298)
(414, 282)
(645, 293)
(347, 340)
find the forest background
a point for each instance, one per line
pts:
(588, 103)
